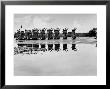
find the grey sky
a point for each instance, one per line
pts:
(83, 22)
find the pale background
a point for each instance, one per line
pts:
(83, 22)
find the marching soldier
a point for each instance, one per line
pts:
(65, 33)
(73, 34)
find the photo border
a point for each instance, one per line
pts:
(4, 3)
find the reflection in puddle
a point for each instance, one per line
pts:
(50, 47)
(57, 47)
(74, 47)
(52, 58)
(65, 47)
(35, 48)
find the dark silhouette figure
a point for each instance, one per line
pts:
(74, 47)
(57, 47)
(73, 34)
(35, 33)
(43, 48)
(29, 35)
(50, 34)
(93, 33)
(65, 47)
(56, 33)
(65, 33)
(50, 47)
(22, 36)
(17, 34)
(42, 34)
(42, 45)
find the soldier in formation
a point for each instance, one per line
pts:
(40, 34)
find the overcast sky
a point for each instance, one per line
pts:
(83, 22)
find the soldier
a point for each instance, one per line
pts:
(29, 35)
(50, 34)
(18, 34)
(73, 34)
(25, 34)
(65, 33)
(56, 33)
(22, 35)
(35, 33)
(42, 34)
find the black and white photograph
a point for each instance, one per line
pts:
(55, 44)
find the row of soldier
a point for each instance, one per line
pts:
(42, 47)
(44, 33)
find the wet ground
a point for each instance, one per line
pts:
(68, 58)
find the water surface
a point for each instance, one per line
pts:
(61, 58)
